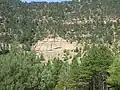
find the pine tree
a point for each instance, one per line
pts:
(98, 60)
(114, 73)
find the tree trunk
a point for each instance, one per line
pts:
(94, 86)
(117, 88)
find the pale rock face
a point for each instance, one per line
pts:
(53, 47)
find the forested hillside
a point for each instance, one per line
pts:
(96, 23)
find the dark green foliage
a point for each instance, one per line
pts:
(19, 70)
(114, 72)
(98, 60)
(23, 70)
(63, 80)
(28, 22)
(79, 75)
(89, 72)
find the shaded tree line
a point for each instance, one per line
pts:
(98, 69)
